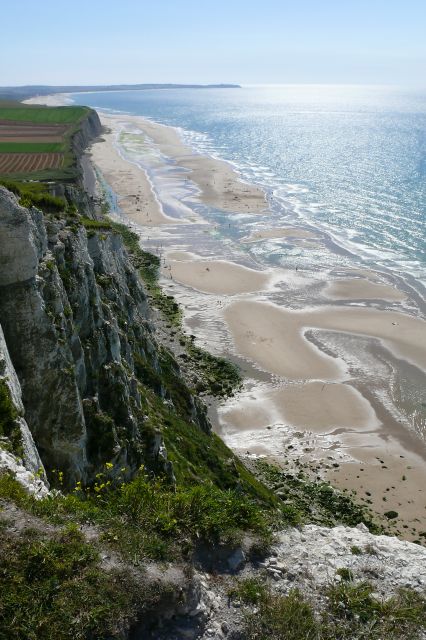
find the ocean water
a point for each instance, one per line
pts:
(347, 160)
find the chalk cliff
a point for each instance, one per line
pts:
(76, 324)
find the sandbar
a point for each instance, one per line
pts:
(315, 406)
(218, 276)
(361, 289)
(273, 337)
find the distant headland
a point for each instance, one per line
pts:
(27, 91)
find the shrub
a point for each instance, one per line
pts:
(35, 194)
(391, 515)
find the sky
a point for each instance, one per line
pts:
(205, 41)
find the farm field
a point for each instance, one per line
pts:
(30, 147)
(42, 115)
(16, 131)
(13, 163)
(35, 141)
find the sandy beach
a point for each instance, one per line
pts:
(137, 199)
(218, 184)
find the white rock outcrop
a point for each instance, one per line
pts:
(310, 557)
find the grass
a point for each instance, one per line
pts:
(350, 612)
(31, 147)
(146, 518)
(95, 225)
(202, 457)
(354, 608)
(54, 587)
(277, 617)
(42, 114)
(35, 194)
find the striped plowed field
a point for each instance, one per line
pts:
(11, 131)
(11, 127)
(28, 162)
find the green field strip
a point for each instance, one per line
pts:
(45, 115)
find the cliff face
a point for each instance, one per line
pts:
(76, 325)
(89, 129)
(16, 440)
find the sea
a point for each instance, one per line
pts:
(346, 160)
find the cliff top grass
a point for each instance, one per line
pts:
(40, 114)
(148, 519)
(35, 194)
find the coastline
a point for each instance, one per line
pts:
(236, 308)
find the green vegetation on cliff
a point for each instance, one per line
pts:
(145, 518)
(39, 114)
(10, 435)
(346, 612)
(36, 194)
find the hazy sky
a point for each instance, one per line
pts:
(205, 41)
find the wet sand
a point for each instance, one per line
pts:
(362, 290)
(315, 406)
(273, 336)
(217, 276)
(275, 234)
(321, 416)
